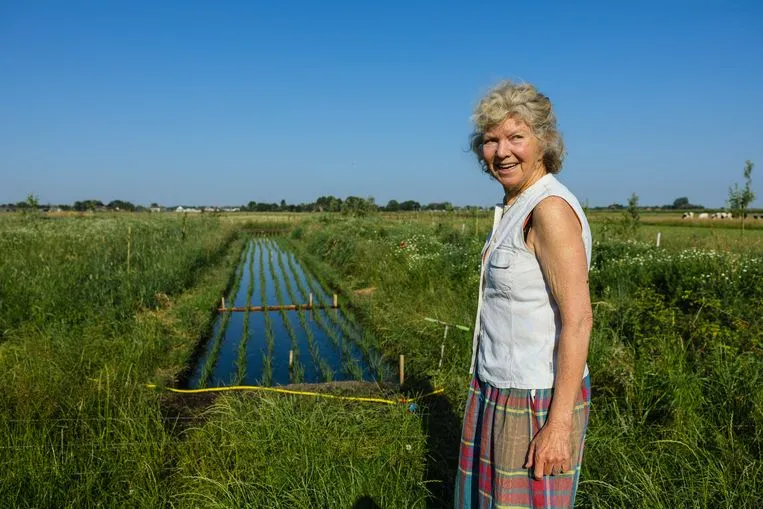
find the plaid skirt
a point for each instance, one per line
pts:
(498, 427)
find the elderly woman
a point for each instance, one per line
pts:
(527, 409)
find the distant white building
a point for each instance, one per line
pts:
(188, 210)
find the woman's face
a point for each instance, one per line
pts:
(513, 155)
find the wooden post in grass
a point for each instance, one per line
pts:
(223, 304)
(659, 234)
(402, 369)
(129, 245)
(442, 347)
(336, 302)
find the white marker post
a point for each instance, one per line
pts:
(445, 335)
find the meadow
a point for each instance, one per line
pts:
(94, 307)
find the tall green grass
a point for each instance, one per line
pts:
(675, 359)
(82, 334)
(276, 451)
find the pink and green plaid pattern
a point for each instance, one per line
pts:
(498, 427)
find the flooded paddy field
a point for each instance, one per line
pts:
(249, 346)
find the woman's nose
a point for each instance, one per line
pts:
(503, 150)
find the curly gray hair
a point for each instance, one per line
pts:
(520, 101)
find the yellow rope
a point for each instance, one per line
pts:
(300, 393)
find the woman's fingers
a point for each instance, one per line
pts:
(549, 453)
(530, 455)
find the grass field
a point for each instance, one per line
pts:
(675, 357)
(94, 307)
(91, 309)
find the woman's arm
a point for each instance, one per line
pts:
(555, 236)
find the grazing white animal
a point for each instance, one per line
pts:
(687, 215)
(703, 215)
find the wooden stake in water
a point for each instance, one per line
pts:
(336, 301)
(659, 234)
(402, 369)
(310, 301)
(223, 304)
(291, 358)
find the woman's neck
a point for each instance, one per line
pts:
(511, 195)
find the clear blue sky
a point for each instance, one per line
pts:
(227, 102)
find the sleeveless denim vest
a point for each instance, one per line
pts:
(517, 325)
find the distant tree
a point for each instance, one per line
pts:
(681, 203)
(392, 206)
(356, 206)
(446, 205)
(33, 201)
(30, 207)
(82, 206)
(631, 217)
(740, 199)
(121, 205)
(328, 204)
(410, 205)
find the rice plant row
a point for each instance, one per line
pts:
(326, 372)
(267, 356)
(374, 360)
(349, 363)
(241, 362)
(296, 371)
(217, 342)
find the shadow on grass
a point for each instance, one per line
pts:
(443, 427)
(365, 502)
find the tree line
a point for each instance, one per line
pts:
(353, 205)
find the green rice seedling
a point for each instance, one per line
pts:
(326, 372)
(267, 369)
(214, 352)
